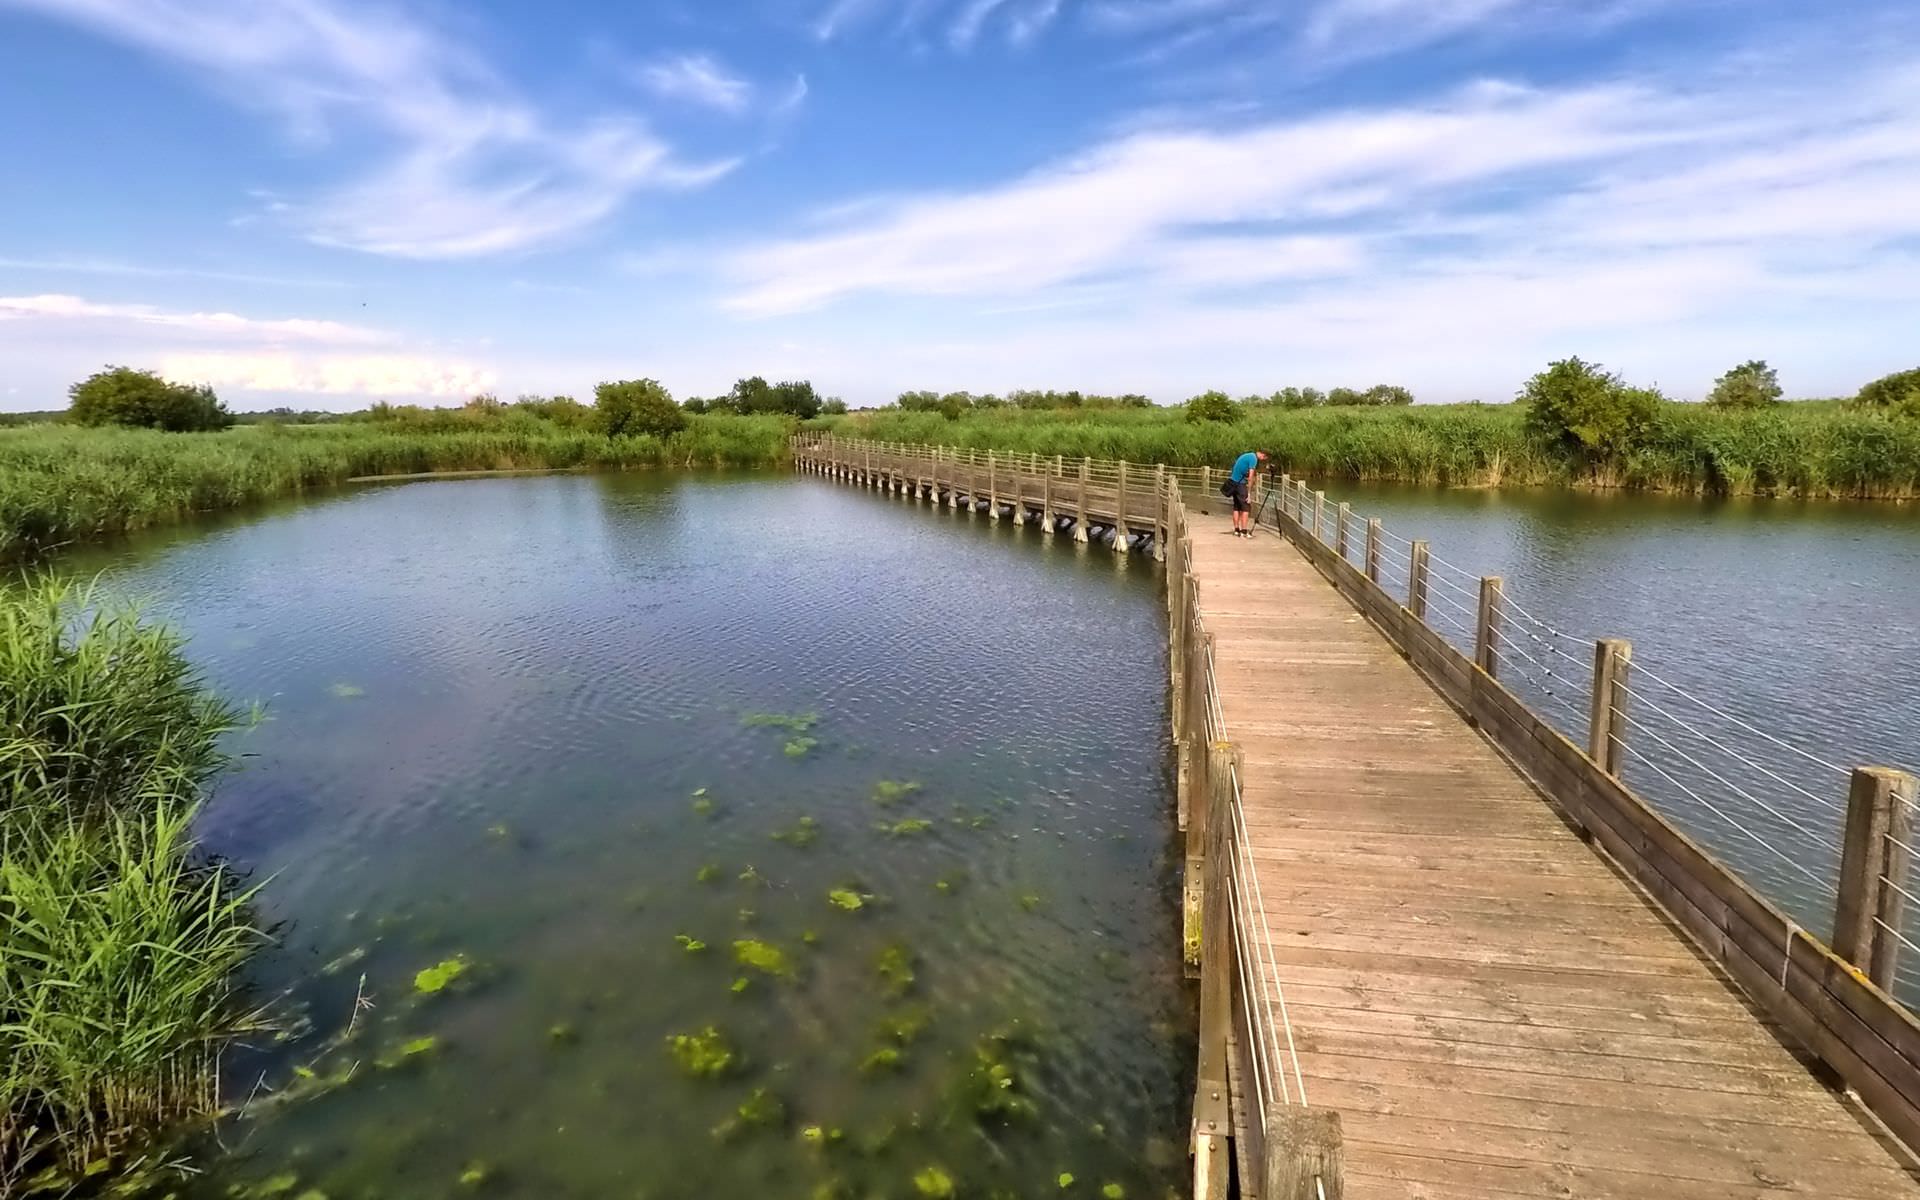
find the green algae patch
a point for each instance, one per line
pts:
(1030, 902)
(804, 833)
(895, 967)
(475, 1174)
(562, 1034)
(934, 1183)
(703, 1055)
(847, 900)
(1065, 1180)
(911, 827)
(885, 1059)
(799, 747)
(752, 877)
(889, 792)
(764, 957)
(345, 691)
(442, 975)
(275, 1185)
(707, 874)
(689, 943)
(703, 805)
(761, 1107)
(791, 722)
(1113, 1191)
(905, 1025)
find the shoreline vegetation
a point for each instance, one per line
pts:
(136, 452)
(120, 943)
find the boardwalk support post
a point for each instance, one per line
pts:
(1120, 512)
(1319, 514)
(1373, 549)
(1486, 633)
(1162, 506)
(993, 488)
(1303, 1153)
(1343, 517)
(1212, 1117)
(1607, 710)
(1417, 581)
(1049, 520)
(1868, 913)
(1080, 511)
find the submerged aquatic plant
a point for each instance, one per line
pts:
(475, 1173)
(803, 834)
(703, 805)
(791, 722)
(847, 899)
(889, 792)
(689, 943)
(704, 1055)
(707, 874)
(763, 956)
(1113, 1191)
(905, 1025)
(933, 1182)
(895, 966)
(761, 1107)
(800, 747)
(346, 691)
(441, 975)
(1065, 1180)
(908, 828)
(886, 1058)
(1030, 902)
(752, 877)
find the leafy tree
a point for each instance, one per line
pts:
(1898, 393)
(919, 401)
(796, 398)
(694, 404)
(124, 396)
(486, 404)
(954, 404)
(1135, 400)
(1588, 410)
(833, 406)
(1386, 394)
(989, 401)
(1212, 406)
(637, 406)
(1749, 385)
(1297, 397)
(1344, 397)
(563, 411)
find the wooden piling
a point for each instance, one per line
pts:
(1080, 512)
(1212, 1117)
(1303, 1153)
(1417, 581)
(1049, 519)
(1342, 516)
(1120, 512)
(1373, 549)
(1607, 707)
(1319, 513)
(1486, 631)
(1874, 868)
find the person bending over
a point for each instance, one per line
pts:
(1239, 483)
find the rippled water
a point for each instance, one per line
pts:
(514, 720)
(1799, 619)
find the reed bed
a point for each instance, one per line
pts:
(62, 484)
(119, 944)
(1814, 449)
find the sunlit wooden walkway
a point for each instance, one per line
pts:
(1490, 1006)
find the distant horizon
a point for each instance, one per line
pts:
(323, 204)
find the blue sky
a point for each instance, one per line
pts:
(323, 202)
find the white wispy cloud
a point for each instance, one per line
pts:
(696, 79)
(58, 307)
(469, 166)
(1668, 224)
(962, 21)
(103, 266)
(373, 375)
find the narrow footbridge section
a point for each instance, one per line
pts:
(1444, 951)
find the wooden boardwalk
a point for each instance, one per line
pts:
(1488, 1004)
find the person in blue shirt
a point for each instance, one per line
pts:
(1237, 484)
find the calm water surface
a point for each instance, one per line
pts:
(1800, 619)
(526, 725)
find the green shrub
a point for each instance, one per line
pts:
(1749, 385)
(1385, 394)
(141, 399)
(1588, 411)
(1345, 397)
(1213, 406)
(1898, 394)
(637, 407)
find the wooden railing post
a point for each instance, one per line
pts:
(1206, 482)
(1120, 512)
(1486, 631)
(1047, 516)
(1417, 581)
(1212, 1116)
(1607, 710)
(993, 488)
(1286, 499)
(1874, 864)
(1373, 549)
(1341, 517)
(1304, 1152)
(1319, 513)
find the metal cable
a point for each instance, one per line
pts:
(1736, 789)
(1643, 672)
(1266, 931)
(1830, 804)
(1737, 826)
(1903, 938)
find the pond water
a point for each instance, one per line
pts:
(1800, 620)
(902, 774)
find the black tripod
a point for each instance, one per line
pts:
(1266, 501)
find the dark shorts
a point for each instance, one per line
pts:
(1239, 494)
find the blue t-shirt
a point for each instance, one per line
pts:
(1245, 466)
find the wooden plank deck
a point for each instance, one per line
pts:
(1491, 1007)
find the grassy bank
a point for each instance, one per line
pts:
(118, 946)
(1815, 449)
(61, 484)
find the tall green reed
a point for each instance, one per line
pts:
(119, 944)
